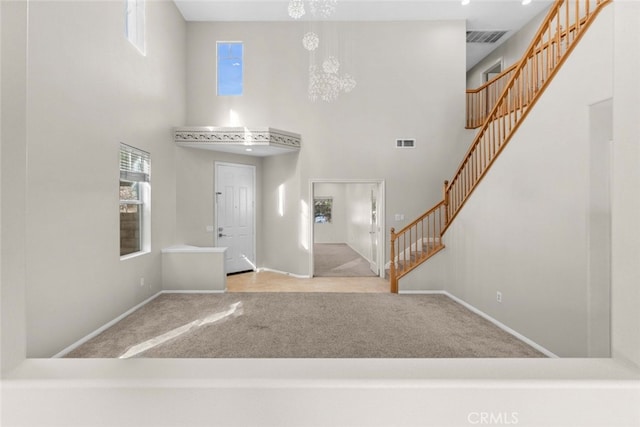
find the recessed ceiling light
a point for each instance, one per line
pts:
(465, 2)
(525, 2)
(248, 149)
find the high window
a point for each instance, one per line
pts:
(135, 197)
(230, 68)
(135, 24)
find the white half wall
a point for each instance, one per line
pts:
(524, 231)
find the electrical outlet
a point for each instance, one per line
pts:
(499, 296)
(142, 282)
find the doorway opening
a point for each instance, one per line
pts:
(492, 71)
(347, 227)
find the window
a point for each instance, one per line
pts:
(230, 68)
(135, 24)
(135, 197)
(322, 209)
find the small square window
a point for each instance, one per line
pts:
(230, 67)
(322, 207)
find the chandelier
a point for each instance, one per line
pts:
(325, 81)
(318, 8)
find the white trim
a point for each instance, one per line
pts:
(133, 255)
(359, 253)
(413, 292)
(104, 327)
(271, 270)
(216, 291)
(480, 313)
(122, 316)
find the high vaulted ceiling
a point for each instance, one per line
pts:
(508, 15)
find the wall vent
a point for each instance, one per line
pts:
(405, 143)
(484, 36)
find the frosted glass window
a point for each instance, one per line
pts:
(230, 68)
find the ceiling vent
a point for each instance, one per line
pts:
(484, 36)
(405, 143)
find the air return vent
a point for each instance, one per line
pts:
(484, 36)
(405, 143)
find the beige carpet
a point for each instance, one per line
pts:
(303, 325)
(339, 260)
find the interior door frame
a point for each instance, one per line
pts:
(253, 201)
(381, 206)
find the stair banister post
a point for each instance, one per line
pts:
(392, 263)
(445, 197)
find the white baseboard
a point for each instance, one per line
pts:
(360, 253)
(484, 315)
(122, 316)
(271, 270)
(194, 292)
(104, 327)
(407, 292)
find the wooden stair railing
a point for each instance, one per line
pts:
(416, 243)
(559, 33)
(480, 101)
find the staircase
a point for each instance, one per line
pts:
(519, 87)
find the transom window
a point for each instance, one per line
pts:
(230, 68)
(135, 24)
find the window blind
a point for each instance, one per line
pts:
(135, 164)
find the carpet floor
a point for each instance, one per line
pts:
(339, 260)
(303, 325)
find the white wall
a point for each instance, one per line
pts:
(524, 231)
(625, 273)
(359, 218)
(599, 228)
(352, 138)
(88, 90)
(13, 24)
(336, 230)
(509, 52)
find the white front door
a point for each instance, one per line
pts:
(235, 215)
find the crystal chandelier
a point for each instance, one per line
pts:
(318, 8)
(325, 82)
(296, 9)
(322, 8)
(310, 41)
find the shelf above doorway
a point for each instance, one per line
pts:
(258, 141)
